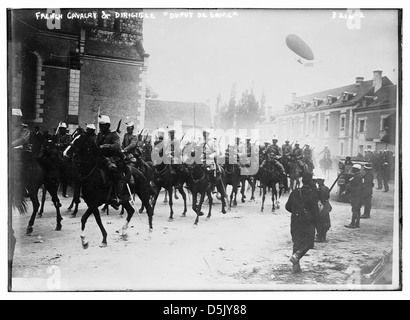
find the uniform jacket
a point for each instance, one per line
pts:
(309, 200)
(62, 140)
(368, 184)
(287, 149)
(111, 141)
(20, 136)
(298, 153)
(355, 186)
(307, 154)
(129, 143)
(324, 194)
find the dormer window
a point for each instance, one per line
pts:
(348, 95)
(331, 99)
(317, 102)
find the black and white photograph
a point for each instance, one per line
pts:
(204, 149)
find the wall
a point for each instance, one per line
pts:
(112, 86)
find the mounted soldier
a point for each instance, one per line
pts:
(210, 152)
(287, 149)
(21, 150)
(129, 143)
(298, 155)
(308, 158)
(273, 154)
(109, 143)
(326, 153)
(172, 151)
(62, 140)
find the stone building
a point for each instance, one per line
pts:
(349, 119)
(69, 69)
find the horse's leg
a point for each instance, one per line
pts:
(43, 201)
(253, 189)
(99, 222)
(36, 205)
(84, 220)
(130, 213)
(222, 190)
(183, 194)
(194, 205)
(243, 190)
(274, 196)
(231, 198)
(171, 203)
(263, 196)
(176, 194)
(166, 197)
(210, 205)
(52, 188)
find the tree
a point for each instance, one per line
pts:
(150, 93)
(243, 114)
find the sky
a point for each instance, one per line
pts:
(194, 59)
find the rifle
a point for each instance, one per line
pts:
(118, 127)
(334, 183)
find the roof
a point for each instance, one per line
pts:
(386, 95)
(159, 113)
(357, 92)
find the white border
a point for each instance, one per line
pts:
(201, 295)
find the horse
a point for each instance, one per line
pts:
(295, 173)
(233, 178)
(43, 171)
(95, 189)
(269, 177)
(200, 183)
(326, 166)
(163, 178)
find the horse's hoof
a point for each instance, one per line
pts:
(183, 215)
(30, 230)
(208, 218)
(103, 245)
(58, 228)
(170, 219)
(201, 214)
(151, 230)
(224, 212)
(243, 201)
(73, 216)
(40, 215)
(235, 204)
(84, 243)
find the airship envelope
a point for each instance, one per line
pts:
(300, 47)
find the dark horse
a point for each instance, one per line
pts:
(43, 171)
(201, 183)
(268, 178)
(95, 189)
(233, 178)
(163, 178)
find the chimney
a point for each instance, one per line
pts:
(377, 80)
(359, 81)
(294, 97)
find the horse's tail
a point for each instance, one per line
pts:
(20, 204)
(139, 176)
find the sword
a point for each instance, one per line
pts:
(133, 202)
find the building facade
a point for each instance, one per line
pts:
(76, 68)
(349, 119)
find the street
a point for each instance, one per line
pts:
(242, 250)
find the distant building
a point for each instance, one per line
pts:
(185, 115)
(350, 119)
(70, 72)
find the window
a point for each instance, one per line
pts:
(362, 126)
(361, 149)
(383, 123)
(327, 121)
(342, 148)
(301, 127)
(313, 126)
(342, 123)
